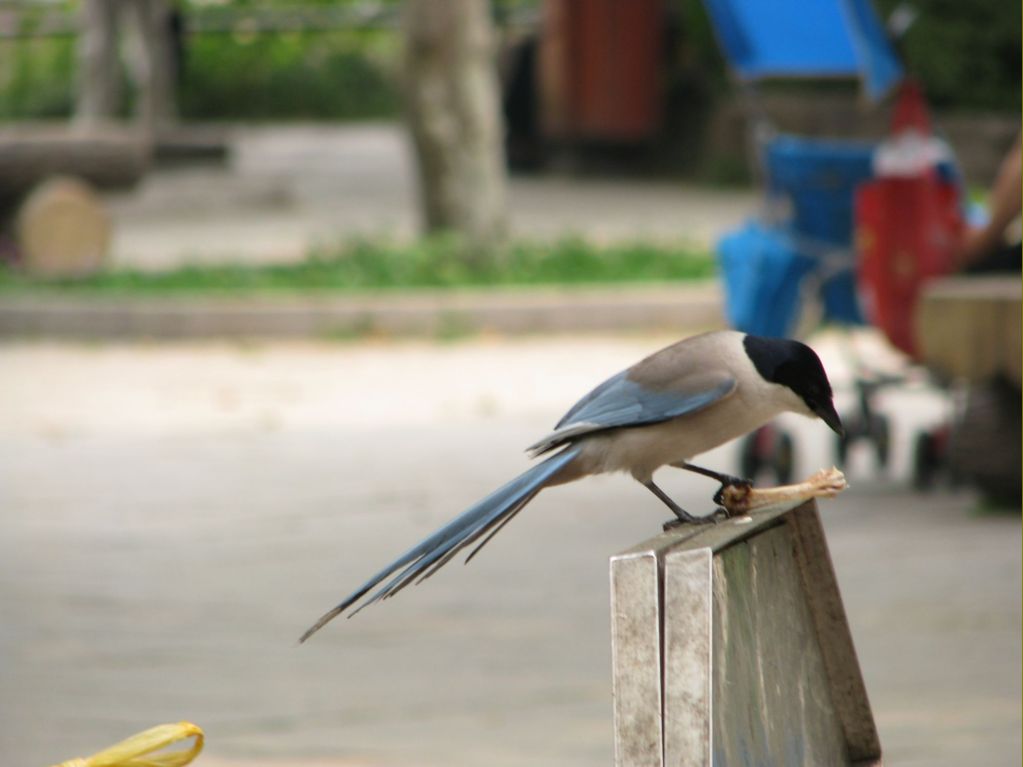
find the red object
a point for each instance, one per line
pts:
(906, 229)
(600, 69)
(911, 111)
(907, 224)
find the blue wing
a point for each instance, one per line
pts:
(621, 401)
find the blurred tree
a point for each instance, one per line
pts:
(152, 54)
(453, 110)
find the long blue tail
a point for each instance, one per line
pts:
(486, 516)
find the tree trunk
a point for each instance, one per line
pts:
(452, 101)
(153, 64)
(99, 79)
(151, 61)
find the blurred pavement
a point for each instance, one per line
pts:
(172, 517)
(286, 188)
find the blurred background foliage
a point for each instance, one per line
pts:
(336, 59)
(36, 76)
(966, 54)
(336, 74)
(243, 60)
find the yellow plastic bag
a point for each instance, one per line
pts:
(136, 750)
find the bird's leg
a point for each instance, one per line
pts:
(726, 480)
(678, 511)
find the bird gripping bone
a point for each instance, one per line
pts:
(740, 499)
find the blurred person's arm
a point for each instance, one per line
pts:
(1004, 206)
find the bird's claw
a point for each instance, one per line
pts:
(719, 496)
(710, 519)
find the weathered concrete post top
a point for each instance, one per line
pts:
(731, 647)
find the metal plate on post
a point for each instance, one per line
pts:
(688, 599)
(636, 643)
(636, 617)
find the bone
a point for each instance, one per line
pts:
(826, 483)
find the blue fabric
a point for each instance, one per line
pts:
(806, 38)
(762, 271)
(819, 177)
(841, 303)
(880, 70)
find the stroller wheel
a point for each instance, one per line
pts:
(784, 457)
(768, 448)
(853, 431)
(752, 457)
(880, 434)
(926, 461)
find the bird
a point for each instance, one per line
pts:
(666, 409)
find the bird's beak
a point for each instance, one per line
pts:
(826, 412)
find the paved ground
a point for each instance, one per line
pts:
(172, 517)
(287, 188)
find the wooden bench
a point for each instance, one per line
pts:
(969, 327)
(969, 331)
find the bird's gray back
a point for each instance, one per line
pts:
(680, 379)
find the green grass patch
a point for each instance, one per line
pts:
(437, 262)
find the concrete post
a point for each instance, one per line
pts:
(730, 646)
